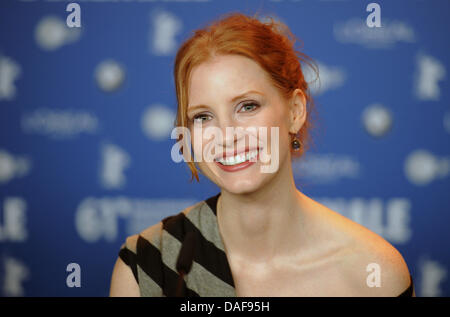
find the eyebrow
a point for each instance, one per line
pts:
(232, 99)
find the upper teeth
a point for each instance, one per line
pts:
(237, 159)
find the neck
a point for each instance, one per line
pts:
(260, 226)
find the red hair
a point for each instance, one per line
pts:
(269, 43)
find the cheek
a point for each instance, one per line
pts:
(197, 140)
(204, 149)
(275, 117)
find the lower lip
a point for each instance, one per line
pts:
(237, 167)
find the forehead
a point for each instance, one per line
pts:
(225, 77)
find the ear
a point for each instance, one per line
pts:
(297, 111)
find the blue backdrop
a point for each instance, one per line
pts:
(86, 114)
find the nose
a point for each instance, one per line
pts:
(232, 134)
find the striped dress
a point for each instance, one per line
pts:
(152, 255)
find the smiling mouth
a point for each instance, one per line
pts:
(239, 158)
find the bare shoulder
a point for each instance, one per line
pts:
(370, 265)
(123, 282)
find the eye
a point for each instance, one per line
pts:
(249, 106)
(200, 118)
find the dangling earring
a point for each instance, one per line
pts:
(296, 144)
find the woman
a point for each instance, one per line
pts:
(260, 236)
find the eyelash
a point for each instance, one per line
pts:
(251, 103)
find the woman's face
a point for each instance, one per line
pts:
(213, 105)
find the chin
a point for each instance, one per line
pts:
(240, 187)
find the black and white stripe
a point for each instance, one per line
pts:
(152, 254)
